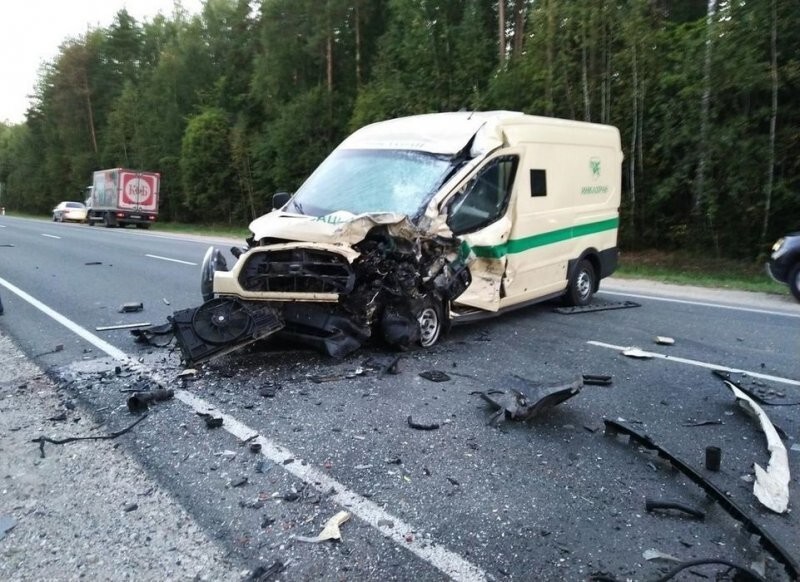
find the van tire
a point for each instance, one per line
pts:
(581, 285)
(431, 322)
(794, 281)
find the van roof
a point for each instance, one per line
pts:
(449, 133)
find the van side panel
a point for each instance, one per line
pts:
(578, 211)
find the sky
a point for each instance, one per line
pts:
(32, 30)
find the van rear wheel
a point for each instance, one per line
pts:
(581, 285)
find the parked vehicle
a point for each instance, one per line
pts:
(784, 262)
(69, 211)
(119, 197)
(416, 222)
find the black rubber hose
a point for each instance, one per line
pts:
(752, 574)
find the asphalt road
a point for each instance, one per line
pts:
(551, 499)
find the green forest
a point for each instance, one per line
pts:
(244, 99)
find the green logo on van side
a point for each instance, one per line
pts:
(594, 166)
(594, 190)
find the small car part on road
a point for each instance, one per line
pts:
(784, 262)
(72, 211)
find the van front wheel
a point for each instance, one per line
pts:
(430, 323)
(581, 285)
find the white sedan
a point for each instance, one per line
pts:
(74, 211)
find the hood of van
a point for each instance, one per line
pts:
(336, 228)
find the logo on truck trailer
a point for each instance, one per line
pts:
(137, 189)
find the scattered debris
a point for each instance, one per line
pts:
(656, 555)
(188, 374)
(122, 326)
(638, 353)
(43, 439)
(93, 263)
(768, 542)
(59, 417)
(159, 336)
(239, 482)
(419, 426)
(435, 376)
(749, 574)
(596, 306)
(140, 401)
(771, 486)
(165, 300)
(756, 394)
(652, 505)
(130, 507)
(255, 447)
(131, 307)
(268, 391)
(264, 574)
(330, 531)
(529, 401)
(694, 423)
(596, 379)
(664, 340)
(211, 420)
(713, 458)
(7, 523)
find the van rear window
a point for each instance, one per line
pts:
(538, 183)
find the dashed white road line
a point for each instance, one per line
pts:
(448, 562)
(2, 226)
(51, 236)
(700, 364)
(171, 260)
(702, 304)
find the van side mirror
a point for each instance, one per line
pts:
(279, 199)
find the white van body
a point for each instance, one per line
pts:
(528, 205)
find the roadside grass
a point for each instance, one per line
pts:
(686, 269)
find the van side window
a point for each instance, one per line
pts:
(538, 183)
(483, 199)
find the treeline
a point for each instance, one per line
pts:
(244, 99)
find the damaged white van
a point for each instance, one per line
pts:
(417, 222)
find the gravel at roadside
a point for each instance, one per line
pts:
(86, 510)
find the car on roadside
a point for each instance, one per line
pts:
(784, 262)
(69, 211)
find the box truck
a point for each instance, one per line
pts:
(118, 197)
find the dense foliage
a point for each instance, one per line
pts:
(244, 99)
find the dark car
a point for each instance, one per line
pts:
(784, 262)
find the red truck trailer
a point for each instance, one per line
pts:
(119, 197)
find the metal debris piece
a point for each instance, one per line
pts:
(652, 505)
(653, 554)
(435, 376)
(638, 353)
(122, 326)
(131, 307)
(771, 486)
(527, 402)
(768, 542)
(330, 531)
(155, 335)
(605, 306)
(420, 426)
(188, 374)
(7, 523)
(140, 401)
(663, 340)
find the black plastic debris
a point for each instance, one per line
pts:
(435, 376)
(422, 426)
(93, 263)
(596, 379)
(266, 573)
(211, 420)
(157, 335)
(7, 523)
(132, 307)
(525, 402)
(130, 507)
(140, 401)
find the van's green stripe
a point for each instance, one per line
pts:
(547, 238)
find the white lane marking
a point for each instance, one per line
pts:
(450, 563)
(69, 324)
(2, 225)
(700, 364)
(702, 304)
(51, 236)
(171, 260)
